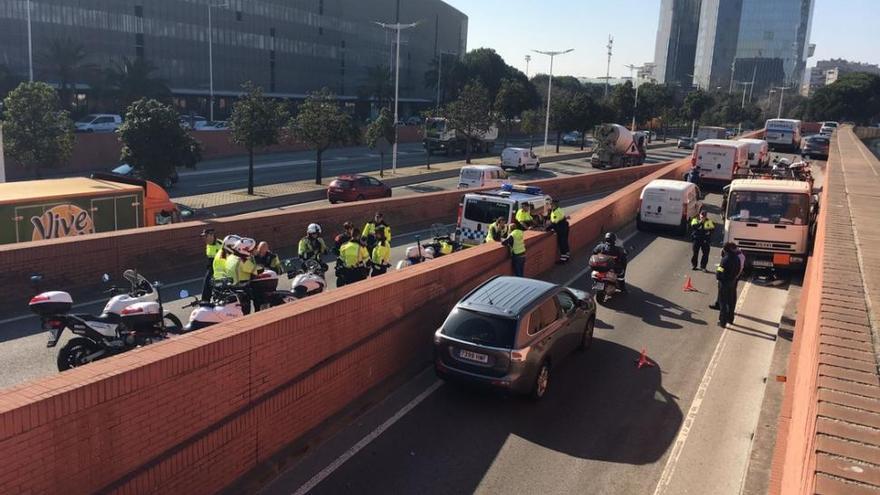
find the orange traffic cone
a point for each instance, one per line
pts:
(643, 360)
(688, 286)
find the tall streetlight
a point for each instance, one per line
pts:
(30, 43)
(781, 96)
(397, 27)
(528, 59)
(610, 45)
(440, 71)
(635, 81)
(211, 58)
(549, 88)
(742, 105)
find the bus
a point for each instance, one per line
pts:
(784, 134)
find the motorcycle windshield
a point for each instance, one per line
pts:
(137, 280)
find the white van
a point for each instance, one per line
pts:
(669, 203)
(719, 159)
(759, 152)
(784, 134)
(472, 176)
(520, 159)
(478, 210)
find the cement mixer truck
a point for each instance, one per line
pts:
(617, 147)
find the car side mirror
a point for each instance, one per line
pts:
(36, 278)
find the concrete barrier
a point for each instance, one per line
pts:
(193, 414)
(76, 264)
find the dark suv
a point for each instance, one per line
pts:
(816, 145)
(509, 332)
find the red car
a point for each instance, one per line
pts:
(356, 188)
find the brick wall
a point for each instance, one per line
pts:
(192, 414)
(76, 264)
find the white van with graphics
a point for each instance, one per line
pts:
(668, 203)
(719, 159)
(479, 210)
(759, 152)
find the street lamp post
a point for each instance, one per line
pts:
(781, 97)
(742, 105)
(211, 59)
(636, 99)
(549, 89)
(30, 44)
(528, 59)
(397, 27)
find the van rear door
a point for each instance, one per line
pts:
(715, 162)
(654, 206)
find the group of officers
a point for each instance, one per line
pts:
(511, 235)
(728, 271)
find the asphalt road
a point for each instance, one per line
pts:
(605, 426)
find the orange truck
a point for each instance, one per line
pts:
(53, 208)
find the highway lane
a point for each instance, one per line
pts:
(605, 426)
(23, 352)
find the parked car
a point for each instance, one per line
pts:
(414, 120)
(685, 143)
(573, 138)
(816, 145)
(192, 121)
(98, 122)
(511, 332)
(356, 188)
(129, 171)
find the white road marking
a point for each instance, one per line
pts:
(336, 464)
(694, 410)
(261, 166)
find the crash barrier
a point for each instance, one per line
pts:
(193, 414)
(827, 429)
(75, 264)
(867, 132)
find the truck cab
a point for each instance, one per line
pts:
(477, 211)
(771, 220)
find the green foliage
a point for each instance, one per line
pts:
(695, 104)
(854, 96)
(256, 122)
(64, 61)
(132, 79)
(153, 141)
(532, 121)
(622, 99)
(483, 65)
(378, 84)
(36, 132)
(655, 100)
(321, 124)
(383, 126)
(471, 113)
(512, 99)
(584, 113)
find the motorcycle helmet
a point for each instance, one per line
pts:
(230, 241)
(610, 238)
(313, 228)
(245, 246)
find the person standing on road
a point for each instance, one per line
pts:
(497, 231)
(369, 231)
(312, 246)
(701, 235)
(346, 235)
(517, 245)
(727, 273)
(350, 265)
(559, 225)
(212, 248)
(380, 257)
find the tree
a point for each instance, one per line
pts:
(531, 121)
(695, 105)
(655, 100)
(584, 114)
(382, 127)
(64, 60)
(562, 116)
(377, 84)
(153, 141)
(511, 100)
(256, 122)
(321, 124)
(452, 76)
(36, 131)
(854, 96)
(622, 99)
(132, 79)
(470, 114)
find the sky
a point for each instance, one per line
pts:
(847, 29)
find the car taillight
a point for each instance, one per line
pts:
(39, 299)
(520, 355)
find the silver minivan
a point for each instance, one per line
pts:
(510, 332)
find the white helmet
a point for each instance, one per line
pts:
(230, 241)
(313, 228)
(245, 246)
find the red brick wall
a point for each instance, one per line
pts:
(76, 264)
(193, 414)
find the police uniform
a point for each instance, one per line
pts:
(369, 232)
(517, 245)
(701, 234)
(211, 251)
(524, 218)
(727, 274)
(311, 248)
(495, 233)
(559, 224)
(380, 257)
(349, 263)
(241, 270)
(269, 261)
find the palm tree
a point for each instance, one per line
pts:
(132, 79)
(64, 60)
(377, 83)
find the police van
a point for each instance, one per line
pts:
(477, 211)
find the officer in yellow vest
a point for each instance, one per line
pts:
(380, 258)
(517, 246)
(369, 231)
(701, 234)
(241, 267)
(349, 266)
(212, 247)
(559, 224)
(524, 216)
(497, 231)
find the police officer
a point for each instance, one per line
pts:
(701, 234)
(524, 216)
(517, 245)
(380, 257)
(265, 258)
(241, 267)
(497, 231)
(212, 247)
(727, 274)
(346, 235)
(559, 224)
(609, 247)
(350, 262)
(221, 258)
(312, 246)
(369, 230)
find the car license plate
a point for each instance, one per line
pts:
(473, 356)
(53, 336)
(764, 263)
(599, 286)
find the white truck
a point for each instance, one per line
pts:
(773, 221)
(440, 137)
(720, 159)
(783, 134)
(617, 147)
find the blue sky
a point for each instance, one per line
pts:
(847, 29)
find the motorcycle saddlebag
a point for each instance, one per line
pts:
(141, 314)
(51, 303)
(601, 262)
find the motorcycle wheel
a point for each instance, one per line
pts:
(172, 323)
(73, 354)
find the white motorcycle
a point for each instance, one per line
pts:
(223, 306)
(307, 279)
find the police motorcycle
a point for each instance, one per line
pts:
(307, 276)
(128, 320)
(441, 244)
(604, 276)
(223, 306)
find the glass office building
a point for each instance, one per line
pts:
(288, 47)
(676, 41)
(745, 41)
